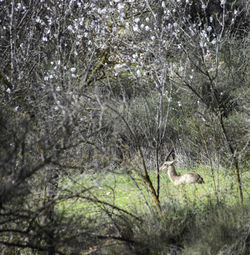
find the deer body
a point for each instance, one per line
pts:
(188, 178)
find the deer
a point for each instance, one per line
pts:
(188, 178)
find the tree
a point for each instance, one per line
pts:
(48, 123)
(88, 86)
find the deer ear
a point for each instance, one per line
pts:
(171, 162)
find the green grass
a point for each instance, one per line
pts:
(120, 190)
(196, 219)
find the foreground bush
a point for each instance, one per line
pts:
(181, 230)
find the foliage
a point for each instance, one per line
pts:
(88, 87)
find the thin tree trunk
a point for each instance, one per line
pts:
(235, 160)
(153, 192)
(150, 184)
(158, 171)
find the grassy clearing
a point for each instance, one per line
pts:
(122, 191)
(197, 219)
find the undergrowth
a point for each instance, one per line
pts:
(196, 219)
(218, 230)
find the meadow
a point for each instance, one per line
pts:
(128, 191)
(196, 219)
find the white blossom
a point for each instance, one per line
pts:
(209, 28)
(38, 19)
(19, 5)
(135, 56)
(164, 93)
(203, 34)
(102, 11)
(181, 69)
(136, 28)
(147, 28)
(121, 6)
(70, 28)
(73, 69)
(137, 20)
(127, 25)
(214, 41)
(47, 31)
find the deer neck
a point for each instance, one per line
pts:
(172, 174)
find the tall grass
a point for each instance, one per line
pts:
(182, 230)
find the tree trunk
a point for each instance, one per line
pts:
(150, 184)
(235, 160)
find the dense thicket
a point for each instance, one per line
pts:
(90, 86)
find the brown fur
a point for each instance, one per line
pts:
(189, 178)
